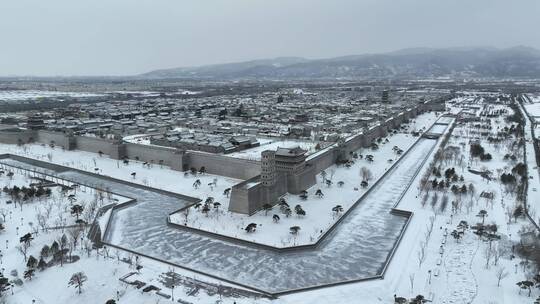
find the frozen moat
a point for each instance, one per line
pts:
(358, 248)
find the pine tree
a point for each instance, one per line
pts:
(32, 262)
(77, 280)
(29, 273)
(4, 284)
(41, 264)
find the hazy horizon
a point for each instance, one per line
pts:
(120, 37)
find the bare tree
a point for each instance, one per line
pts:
(117, 254)
(488, 253)
(366, 174)
(421, 254)
(509, 212)
(48, 209)
(74, 234)
(332, 172)
(42, 221)
(497, 253)
(501, 273)
(23, 249)
(88, 246)
(434, 200)
(90, 211)
(424, 199)
(186, 215)
(4, 212)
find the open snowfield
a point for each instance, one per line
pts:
(273, 144)
(534, 107)
(142, 139)
(534, 170)
(18, 95)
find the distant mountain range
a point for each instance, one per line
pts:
(408, 63)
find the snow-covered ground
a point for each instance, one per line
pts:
(57, 206)
(250, 154)
(319, 215)
(156, 176)
(143, 139)
(533, 108)
(534, 171)
(273, 144)
(459, 274)
(51, 284)
(458, 269)
(17, 95)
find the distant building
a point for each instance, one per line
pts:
(303, 117)
(35, 122)
(385, 97)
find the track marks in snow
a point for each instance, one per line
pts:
(461, 284)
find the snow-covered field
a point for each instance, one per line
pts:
(534, 170)
(534, 107)
(465, 270)
(57, 206)
(273, 144)
(143, 139)
(17, 95)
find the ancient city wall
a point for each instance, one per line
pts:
(223, 165)
(154, 154)
(323, 159)
(48, 137)
(17, 136)
(92, 144)
(328, 157)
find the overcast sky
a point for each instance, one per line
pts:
(122, 37)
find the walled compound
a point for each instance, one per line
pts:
(278, 172)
